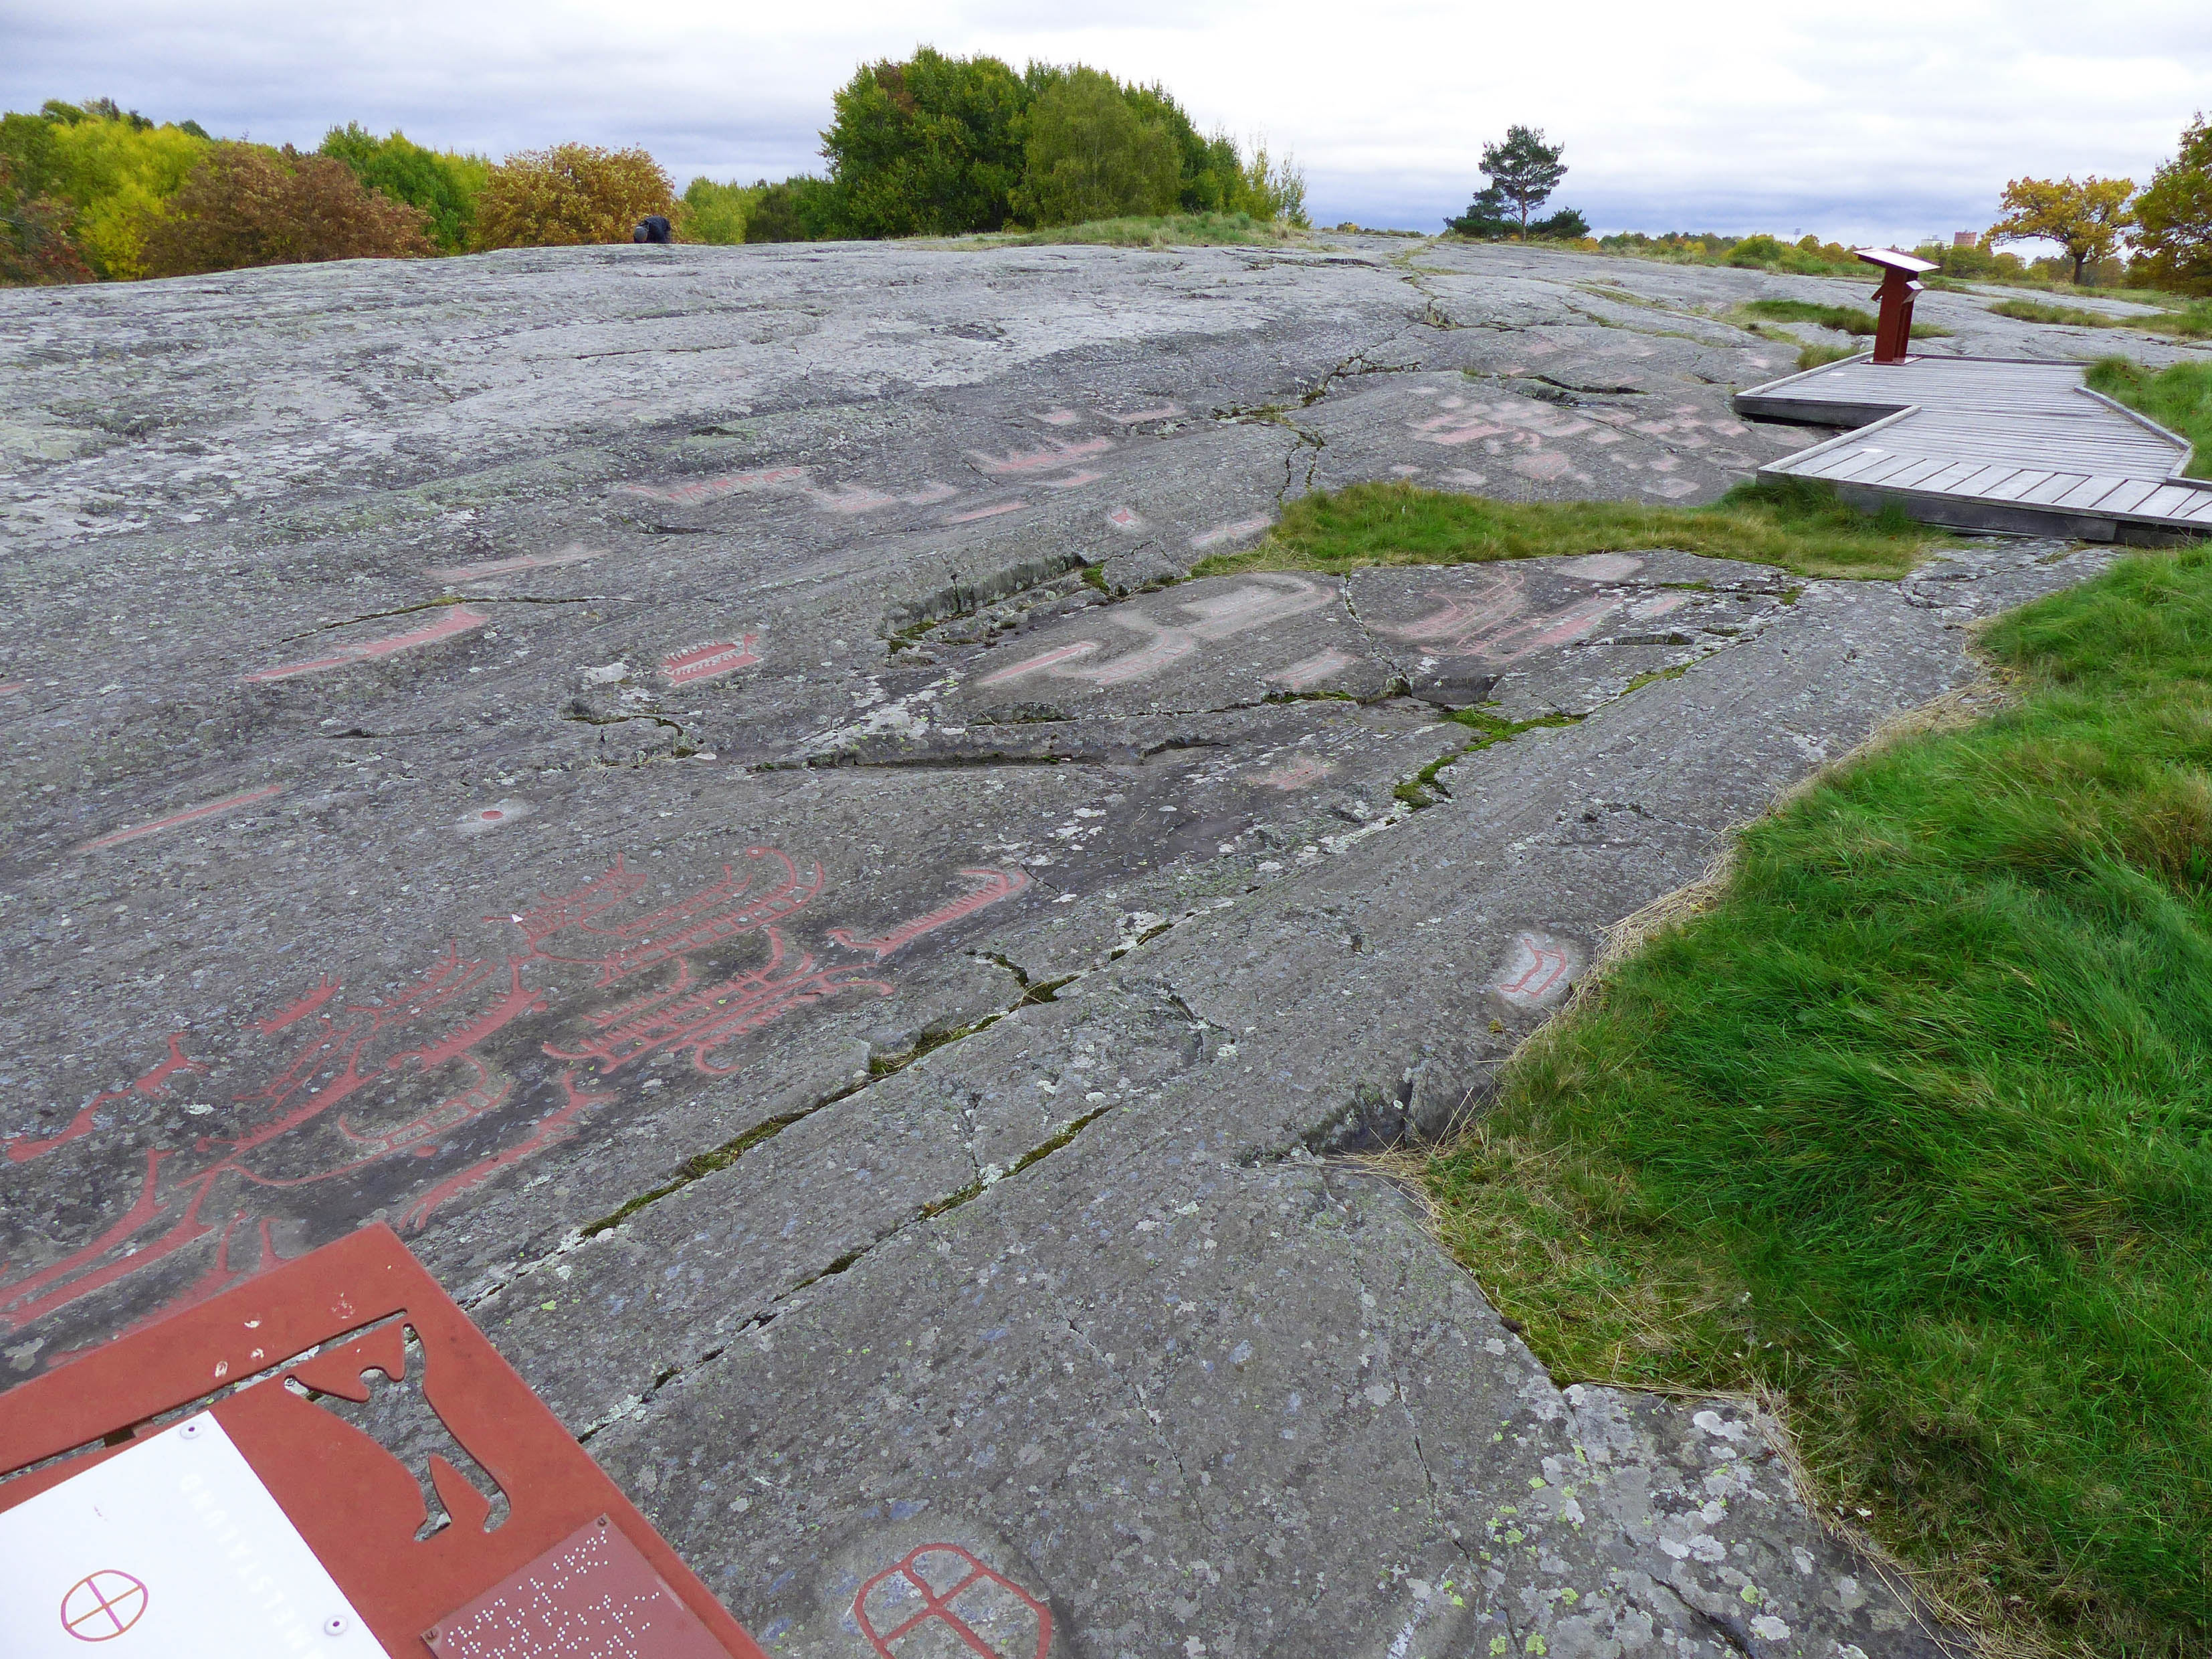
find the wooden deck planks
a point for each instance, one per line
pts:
(2024, 437)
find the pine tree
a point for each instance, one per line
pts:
(1524, 170)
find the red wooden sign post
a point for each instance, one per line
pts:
(1894, 331)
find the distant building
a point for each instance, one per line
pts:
(1965, 237)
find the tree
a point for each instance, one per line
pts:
(1090, 157)
(247, 205)
(1488, 217)
(718, 213)
(1524, 170)
(929, 147)
(569, 196)
(112, 171)
(35, 247)
(443, 185)
(2176, 216)
(802, 209)
(2085, 219)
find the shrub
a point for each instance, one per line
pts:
(717, 213)
(1567, 225)
(245, 205)
(568, 196)
(444, 185)
(1754, 251)
(1090, 156)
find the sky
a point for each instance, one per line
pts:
(1874, 120)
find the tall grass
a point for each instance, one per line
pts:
(2179, 397)
(1912, 1127)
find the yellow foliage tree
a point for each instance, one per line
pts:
(570, 195)
(117, 176)
(2086, 219)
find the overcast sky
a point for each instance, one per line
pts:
(1866, 120)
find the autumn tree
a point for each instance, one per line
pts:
(1523, 170)
(2176, 216)
(2086, 219)
(568, 196)
(35, 245)
(247, 205)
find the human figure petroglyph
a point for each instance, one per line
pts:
(356, 1083)
(1259, 602)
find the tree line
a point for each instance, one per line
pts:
(933, 145)
(2166, 226)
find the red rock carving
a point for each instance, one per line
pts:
(710, 661)
(22, 1151)
(324, 1105)
(458, 619)
(991, 886)
(963, 1576)
(228, 803)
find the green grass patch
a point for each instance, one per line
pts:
(1167, 230)
(1846, 319)
(1800, 524)
(2190, 322)
(1812, 357)
(2040, 311)
(1909, 1126)
(2179, 397)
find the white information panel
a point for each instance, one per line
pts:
(173, 1548)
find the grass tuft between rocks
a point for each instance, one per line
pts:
(1166, 230)
(1800, 524)
(1908, 1124)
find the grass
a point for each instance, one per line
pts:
(1908, 1126)
(1169, 230)
(1799, 524)
(2179, 397)
(2191, 323)
(1812, 357)
(1847, 319)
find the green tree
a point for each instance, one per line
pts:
(929, 147)
(2176, 216)
(801, 209)
(444, 185)
(1489, 216)
(717, 213)
(1524, 170)
(1091, 156)
(2086, 219)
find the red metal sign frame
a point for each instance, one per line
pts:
(314, 1327)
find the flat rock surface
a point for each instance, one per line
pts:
(696, 783)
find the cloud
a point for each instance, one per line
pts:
(1886, 119)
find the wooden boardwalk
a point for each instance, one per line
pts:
(1989, 444)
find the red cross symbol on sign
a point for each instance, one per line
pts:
(980, 1592)
(101, 1606)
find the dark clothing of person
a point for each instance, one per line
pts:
(652, 228)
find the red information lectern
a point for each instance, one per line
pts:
(1894, 331)
(243, 1515)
